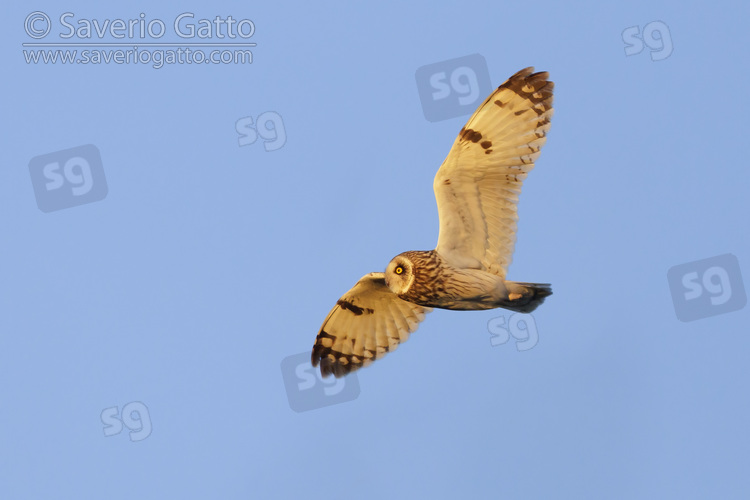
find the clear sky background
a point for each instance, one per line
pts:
(206, 263)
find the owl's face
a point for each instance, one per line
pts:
(399, 275)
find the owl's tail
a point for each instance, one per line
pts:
(525, 297)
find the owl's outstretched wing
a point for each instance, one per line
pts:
(366, 323)
(478, 184)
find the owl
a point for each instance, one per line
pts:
(477, 189)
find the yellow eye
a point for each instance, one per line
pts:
(399, 269)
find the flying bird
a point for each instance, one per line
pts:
(477, 189)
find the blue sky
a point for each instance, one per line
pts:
(176, 292)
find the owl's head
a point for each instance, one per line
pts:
(399, 275)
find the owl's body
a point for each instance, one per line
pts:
(477, 190)
(439, 284)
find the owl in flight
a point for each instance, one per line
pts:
(477, 189)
